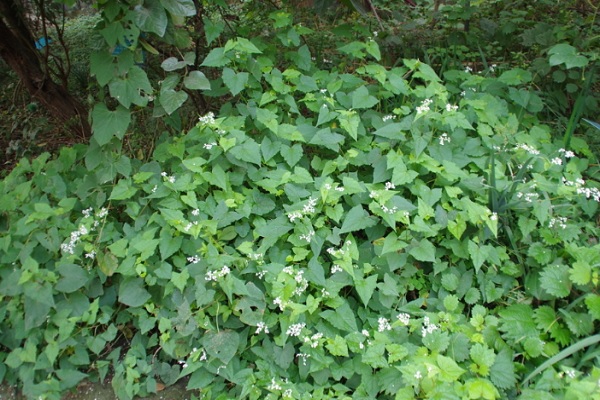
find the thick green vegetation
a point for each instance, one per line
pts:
(343, 222)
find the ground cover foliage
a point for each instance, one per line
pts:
(336, 228)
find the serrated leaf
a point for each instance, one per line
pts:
(580, 273)
(592, 301)
(517, 321)
(554, 279)
(502, 373)
(357, 219)
(449, 369)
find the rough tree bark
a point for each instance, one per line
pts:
(17, 48)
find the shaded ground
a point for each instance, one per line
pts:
(97, 391)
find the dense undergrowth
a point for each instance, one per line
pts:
(337, 227)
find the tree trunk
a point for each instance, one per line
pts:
(17, 48)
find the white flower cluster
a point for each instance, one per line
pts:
(424, 107)
(578, 182)
(444, 139)
(451, 107)
(387, 210)
(274, 385)
(83, 230)
(194, 355)
(193, 259)
(261, 327)
(214, 275)
(308, 237)
(207, 119)
(558, 221)
(492, 67)
(589, 192)
(304, 357)
(195, 212)
(167, 177)
(556, 161)
(328, 186)
(335, 268)
(295, 329)
(388, 117)
(428, 327)
(389, 186)
(530, 149)
(189, 226)
(280, 303)
(302, 283)
(468, 69)
(528, 197)
(383, 325)
(404, 318)
(209, 146)
(308, 208)
(313, 341)
(567, 153)
(341, 251)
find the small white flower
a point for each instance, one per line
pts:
(444, 138)
(207, 119)
(193, 259)
(87, 212)
(388, 117)
(383, 325)
(336, 268)
(91, 255)
(450, 107)
(295, 329)
(468, 69)
(195, 212)
(389, 185)
(556, 161)
(404, 318)
(494, 217)
(261, 327)
(418, 375)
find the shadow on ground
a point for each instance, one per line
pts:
(98, 391)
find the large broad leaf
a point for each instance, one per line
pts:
(235, 81)
(132, 88)
(72, 278)
(171, 100)
(106, 123)
(357, 219)
(181, 8)
(222, 345)
(132, 292)
(362, 99)
(196, 80)
(423, 251)
(151, 17)
(564, 53)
